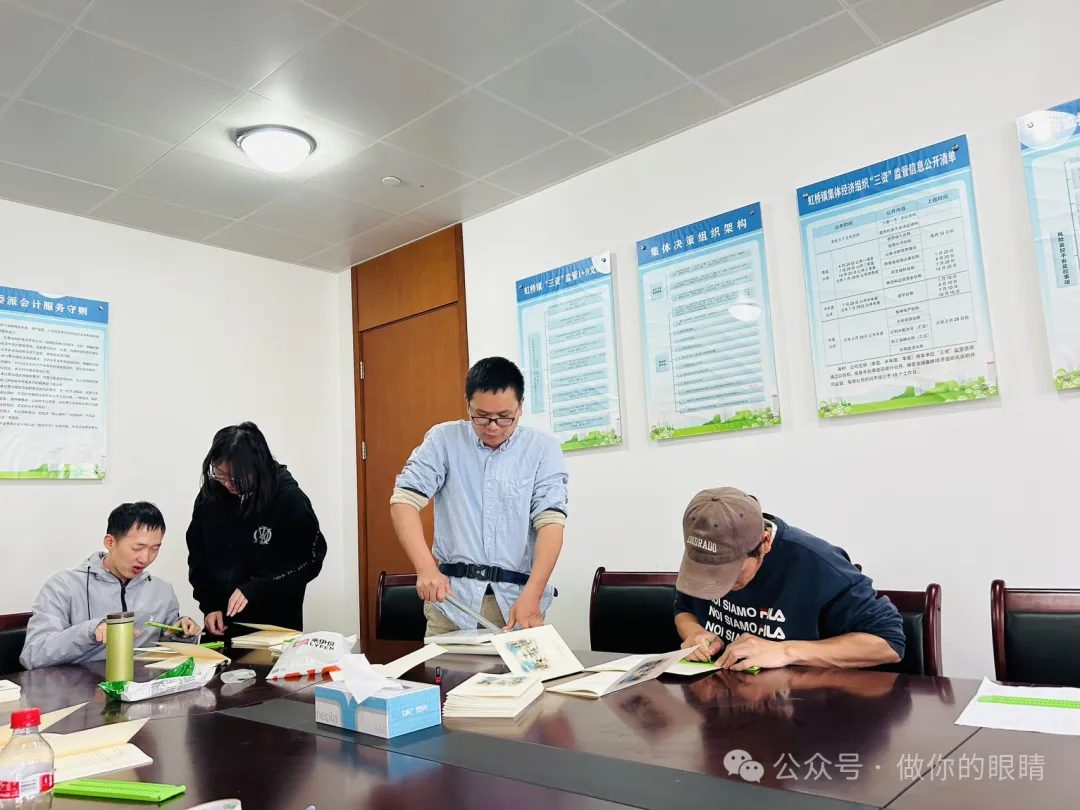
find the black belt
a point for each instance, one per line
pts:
(484, 573)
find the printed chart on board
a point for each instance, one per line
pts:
(1050, 148)
(895, 285)
(709, 365)
(53, 375)
(566, 325)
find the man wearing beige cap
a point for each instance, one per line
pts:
(764, 594)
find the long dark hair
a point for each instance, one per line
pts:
(251, 465)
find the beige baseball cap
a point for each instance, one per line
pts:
(720, 528)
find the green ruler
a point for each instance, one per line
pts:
(1047, 703)
(127, 791)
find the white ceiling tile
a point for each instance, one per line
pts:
(335, 259)
(557, 163)
(588, 76)
(463, 204)
(116, 85)
(239, 41)
(62, 144)
(893, 19)
(701, 35)
(339, 8)
(318, 215)
(218, 138)
(387, 236)
(49, 190)
(66, 11)
(476, 134)
(601, 5)
(356, 81)
(25, 39)
(248, 238)
(659, 118)
(159, 217)
(205, 184)
(470, 38)
(361, 177)
(812, 51)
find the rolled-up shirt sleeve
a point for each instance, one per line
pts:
(550, 496)
(424, 472)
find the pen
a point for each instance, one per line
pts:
(160, 626)
(474, 615)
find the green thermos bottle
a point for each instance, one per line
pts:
(120, 647)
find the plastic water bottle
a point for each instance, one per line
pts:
(27, 770)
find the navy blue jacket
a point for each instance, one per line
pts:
(805, 590)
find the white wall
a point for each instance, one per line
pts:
(954, 495)
(199, 338)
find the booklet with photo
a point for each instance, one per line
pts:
(538, 650)
(608, 682)
(486, 695)
(682, 667)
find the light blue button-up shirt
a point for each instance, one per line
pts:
(485, 504)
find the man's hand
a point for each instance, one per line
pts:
(99, 633)
(708, 644)
(753, 651)
(432, 586)
(525, 611)
(237, 602)
(215, 623)
(189, 626)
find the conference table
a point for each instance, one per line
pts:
(822, 739)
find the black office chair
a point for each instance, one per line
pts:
(399, 610)
(1036, 635)
(632, 612)
(12, 636)
(921, 612)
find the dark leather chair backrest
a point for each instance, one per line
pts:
(12, 636)
(1036, 635)
(632, 612)
(921, 614)
(399, 610)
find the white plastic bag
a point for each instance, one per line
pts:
(312, 654)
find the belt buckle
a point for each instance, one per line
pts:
(481, 572)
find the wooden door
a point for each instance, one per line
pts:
(412, 380)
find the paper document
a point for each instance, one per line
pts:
(681, 667)
(48, 719)
(485, 695)
(167, 650)
(92, 739)
(267, 635)
(395, 669)
(103, 760)
(1016, 717)
(465, 642)
(538, 650)
(606, 683)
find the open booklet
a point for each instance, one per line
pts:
(48, 719)
(538, 650)
(95, 751)
(465, 642)
(264, 637)
(680, 667)
(485, 695)
(168, 654)
(606, 683)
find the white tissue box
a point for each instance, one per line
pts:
(387, 713)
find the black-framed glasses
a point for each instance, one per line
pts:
(501, 421)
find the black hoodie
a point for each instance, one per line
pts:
(270, 556)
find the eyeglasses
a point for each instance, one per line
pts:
(214, 475)
(501, 421)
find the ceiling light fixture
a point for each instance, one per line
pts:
(390, 180)
(275, 148)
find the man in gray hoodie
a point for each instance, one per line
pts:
(68, 622)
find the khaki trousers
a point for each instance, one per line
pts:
(438, 624)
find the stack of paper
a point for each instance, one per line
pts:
(465, 642)
(1046, 709)
(606, 683)
(48, 719)
(267, 636)
(493, 696)
(538, 650)
(94, 751)
(681, 667)
(169, 654)
(9, 692)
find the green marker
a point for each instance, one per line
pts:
(1046, 703)
(160, 626)
(213, 645)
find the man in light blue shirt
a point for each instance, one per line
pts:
(500, 510)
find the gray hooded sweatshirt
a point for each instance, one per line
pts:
(72, 603)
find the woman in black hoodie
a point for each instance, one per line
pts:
(254, 542)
